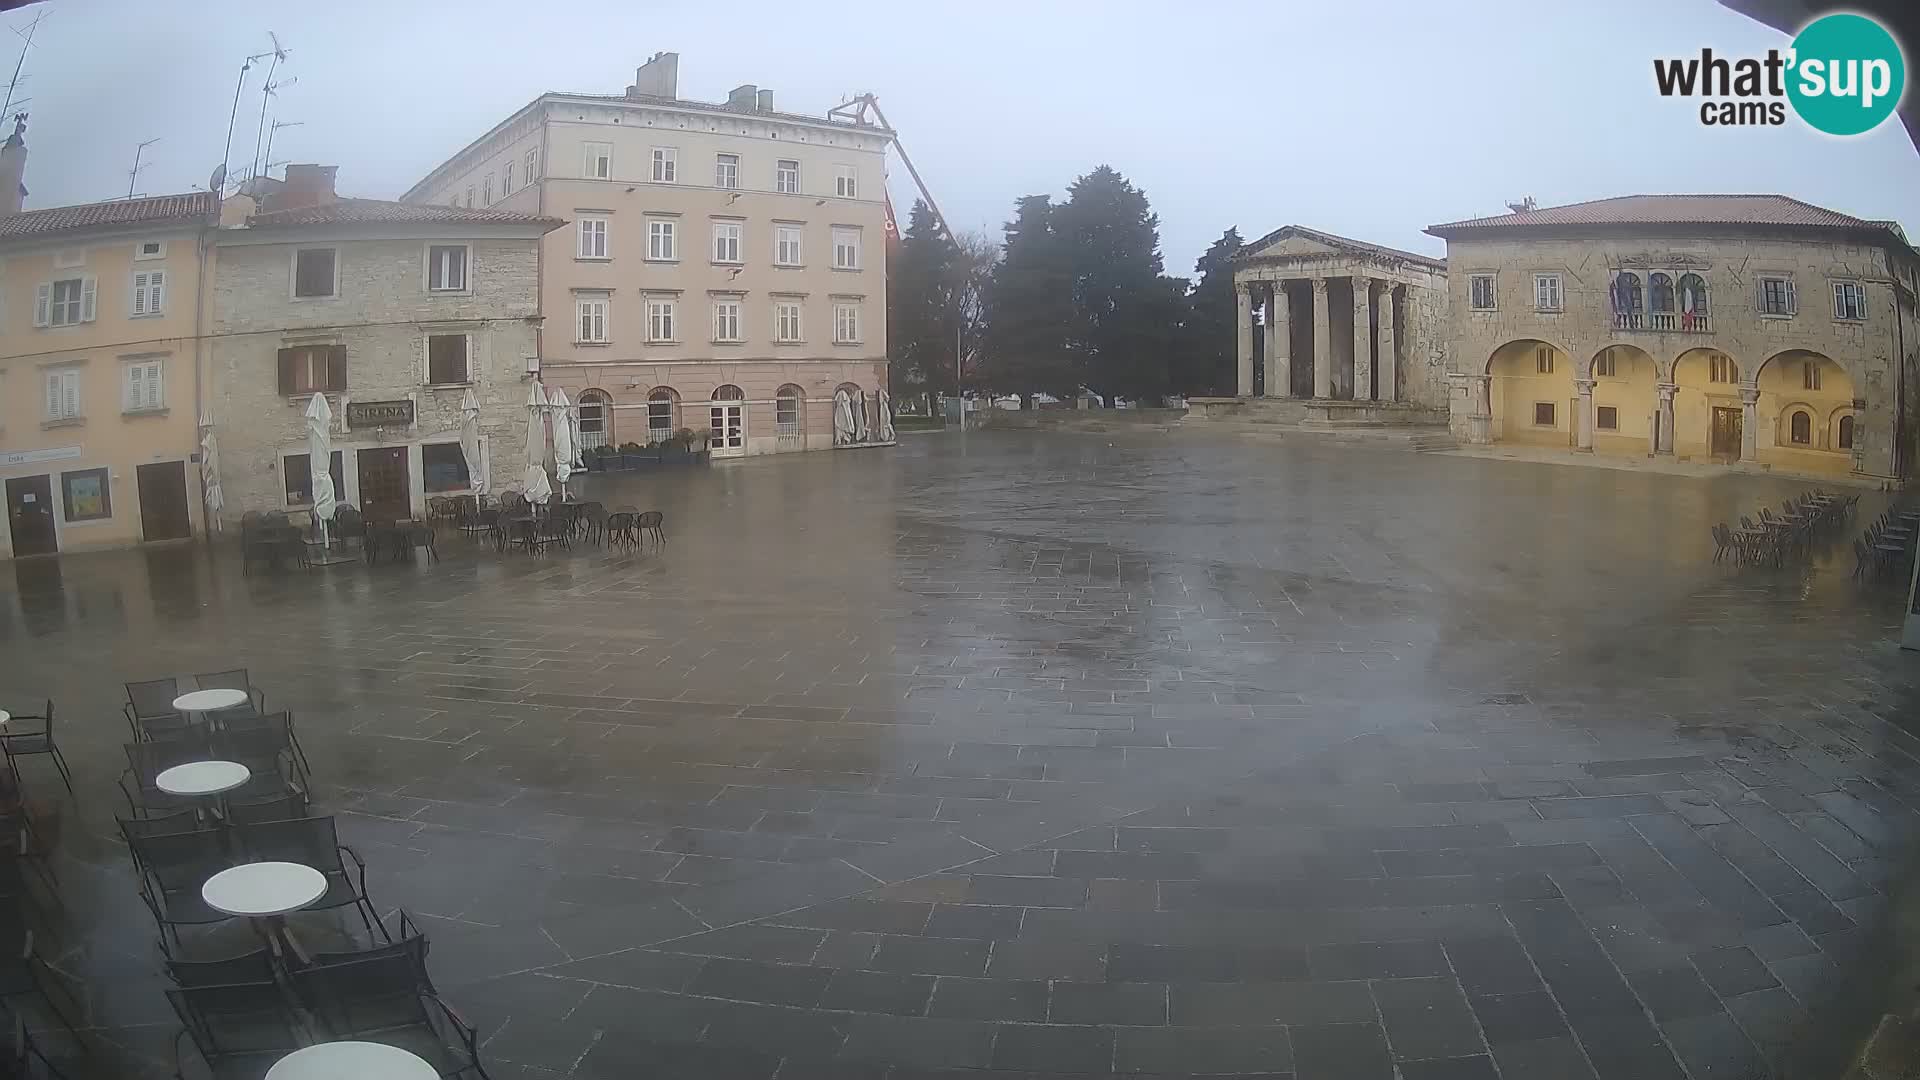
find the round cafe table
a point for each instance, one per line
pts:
(202, 779)
(352, 1060)
(265, 891)
(208, 701)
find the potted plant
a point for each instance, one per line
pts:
(697, 446)
(630, 455)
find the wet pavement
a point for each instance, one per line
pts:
(1041, 755)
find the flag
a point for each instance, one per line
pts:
(893, 230)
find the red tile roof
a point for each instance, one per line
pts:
(1757, 210)
(382, 211)
(156, 210)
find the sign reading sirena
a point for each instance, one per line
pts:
(363, 414)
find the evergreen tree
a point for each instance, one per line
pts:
(920, 306)
(1123, 305)
(1030, 310)
(1209, 362)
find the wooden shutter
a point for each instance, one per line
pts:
(287, 360)
(336, 367)
(86, 300)
(42, 302)
(136, 394)
(154, 385)
(156, 291)
(1791, 305)
(54, 395)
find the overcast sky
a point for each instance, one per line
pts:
(1371, 119)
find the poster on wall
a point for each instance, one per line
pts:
(86, 497)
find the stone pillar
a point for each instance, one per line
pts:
(1480, 424)
(1663, 419)
(1362, 339)
(1279, 344)
(1322, 342)
(1244, 342)
(1388, 388)
(1750, 422)
(1583, 417)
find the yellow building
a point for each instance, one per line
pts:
(100, 323)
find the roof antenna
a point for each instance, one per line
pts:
(267, 87)
(226, 156)
(13, 84)
(1524, 205)
(133, 174)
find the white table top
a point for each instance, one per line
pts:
(202, 778)
(209, 700)
(263, 889)
(351, 1061)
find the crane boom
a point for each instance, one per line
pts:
(856, 111)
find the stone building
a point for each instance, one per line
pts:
(1752, 328)
(395, 311)
(725, 268)
(1339, 320)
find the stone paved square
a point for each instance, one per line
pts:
(1038, 754)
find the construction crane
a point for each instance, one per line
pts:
(855, 111)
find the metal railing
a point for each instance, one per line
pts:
(1666, 322)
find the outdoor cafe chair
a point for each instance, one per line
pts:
(554, 528)
(476, 523)
(386, 999)
(236, 679)
(649, 524)
(619, 529)
(285, 807)
(314, 842)
(171, 824)
(279, 724)
(34, 739)
(145, 801)
(22, 970)
(238, 1029)
(250, 967)
(26, 1059)
(149, 708)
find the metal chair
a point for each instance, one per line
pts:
(287, 807)
(172, 869)
(171, 824)
(253, 967)
(27, 1060)
(618, 529)
(476, 523)
(649, 523)
(239, 1029)
(237, 679)
(144, 800)
(278, 725)
(149, 708)
(29, 740)
(555, 528)
(314, 842)
(385, 999)
(150, 759)
(589, 519)
(22, 970)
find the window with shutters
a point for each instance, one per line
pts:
(786, 245)
(313, 273)
(786, 321)
(1480, 294)
(726, 241)
(846, 249)
(63, 394)
(149, 292)
(86, 495)
(1810, 375)
(447, 359)
(486, 191)
(1546, 292)
(1849, 301)
(846, 324)
(846, 182)
(666, 164)
(1776, 296)
(447, 267)
(660, 320)
(726, 320)
(591, 315)
(506, 180)
(144, 386)
(593, 237)
(661, 240)
(66, 302)
(599, 161)
(1543, 361)
(309, 369)
(533, 165)
(469, 196)
(786, 177)
(1720, 368)
(726, 170)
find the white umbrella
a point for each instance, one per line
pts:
(563, 438)
(860, 416)
(320, 461)
(842, 418)
(470, 443)
(210, 473)
(536, 486)
(886, 418)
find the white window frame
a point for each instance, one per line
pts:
(666, 165)
(592, 318)
(786, 176)
(293, 274)
(486, 191)
(84, 303)
(469, 196)
(1786, 289)
(143, 385)
(426, 358)
(726, 171)
(846, 248)
(846, 182)
(592, 237)
(727, 322)
(147, 293)
(506, 179)
(1493, 292)
(140, 254)
(789, 428)
(787, 237)
(788, 329)
(1548, 294)
(596, 160)
(663, 240)
(1849, 293)
(438, 286)
(728, 239)
(662, 320)
(532, 163)
(846, 323)
(63, 399)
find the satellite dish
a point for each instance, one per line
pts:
(218, 181)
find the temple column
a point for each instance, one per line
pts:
(1750, 422)
(1362, 339)
(1583, 417)
(1322, 342)
(1244, 342)
(1279, 330)
(1663, 419)
(1388, 387)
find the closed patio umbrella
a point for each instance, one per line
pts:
(886, 418)
(563, 439)
(320, 461)
(210, 473)
(470, 443)
(842, 418)
(536, 486)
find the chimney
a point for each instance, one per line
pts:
(659, 77)
(305, 185)
(743, 96)
(13, 167)
(764, 101)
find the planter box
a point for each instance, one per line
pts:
(632, 461)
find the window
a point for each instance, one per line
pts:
(298, 477)
(486, 191)
(1606, 418)
(1849, 300)
(1543, 361)
(1802, 429)
(145, 387)
(1776, 296)
(150, 249)
(659, 414)
(447, 356)
(846, 323)
(446, 268)
(1660, 294)
(313, 272)
(1720, 368)
(149, 292)
(786, 177)
(595, 408)
(786, 321)
(86, 496)
(660, 320)
(1543, 413)
(67, 302)
(532, 162)
(786, 411)
(308, 369)
(846, 249)
(726, 170)
(660, 240)
(726, 241)
(786, 245)
(666, 164)
(469, 196)
(592, 232)
(63, 394)
(598, 162)
(443, 467)
(726, 320)
(1603, 365)
(506, 179)
(592, 317)
(1546, 292)
(1693, 296)
(846, 182)
(1480, 292)
(1810, 375)
(1846, 433)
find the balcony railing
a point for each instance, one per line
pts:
(1665, 322)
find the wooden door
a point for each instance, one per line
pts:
(385, 491)
(163, 501)
(30, 515)
(1723, 440)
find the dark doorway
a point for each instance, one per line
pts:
(385, 494)
(163, 501)
(30, 515)
(1723, 438)
(1260, 332)
(1300, 331)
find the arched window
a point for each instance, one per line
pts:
(1802, 427)
(729, 392)
(1846, 433)
(789, 411)
(596, 419)
(660, 413)
(1660, 294)
(1693, 302)
(1625, 297)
